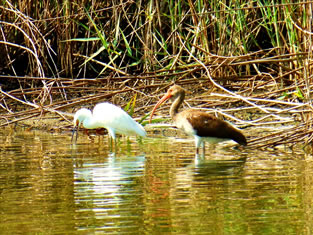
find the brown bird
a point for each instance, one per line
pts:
(201, 125)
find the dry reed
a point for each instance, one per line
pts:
(250, 62)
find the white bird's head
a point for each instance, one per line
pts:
(81, 115)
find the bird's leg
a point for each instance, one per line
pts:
(110, 143)
(112, 135)
(115, 145)
(112, 152)
(203, 148)
(198, 143)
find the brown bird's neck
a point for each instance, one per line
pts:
(176, 104)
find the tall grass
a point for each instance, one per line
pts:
(116, 38)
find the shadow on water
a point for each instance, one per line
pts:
(209, 168)
(158, 185)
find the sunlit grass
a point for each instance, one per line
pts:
(173, 40)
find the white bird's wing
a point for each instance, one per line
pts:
(111, 116)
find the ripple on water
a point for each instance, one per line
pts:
(157, 186)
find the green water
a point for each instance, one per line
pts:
(154, 186)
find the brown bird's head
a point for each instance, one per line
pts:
(172, 93)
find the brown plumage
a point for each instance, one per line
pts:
(201, 125)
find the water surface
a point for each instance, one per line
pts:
(152, 186)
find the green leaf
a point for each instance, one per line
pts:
(83, 39)
(299, 94)
(130, 107)
(129, 50)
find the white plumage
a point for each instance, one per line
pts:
(109, 116)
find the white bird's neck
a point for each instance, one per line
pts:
(90, 123)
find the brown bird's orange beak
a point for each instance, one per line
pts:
(161, 101)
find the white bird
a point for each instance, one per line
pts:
(110, 117)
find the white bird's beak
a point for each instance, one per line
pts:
(75, 130)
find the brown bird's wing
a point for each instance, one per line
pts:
(207, 125)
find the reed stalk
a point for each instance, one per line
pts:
(58, 55)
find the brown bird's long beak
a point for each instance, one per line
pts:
(161, 101)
